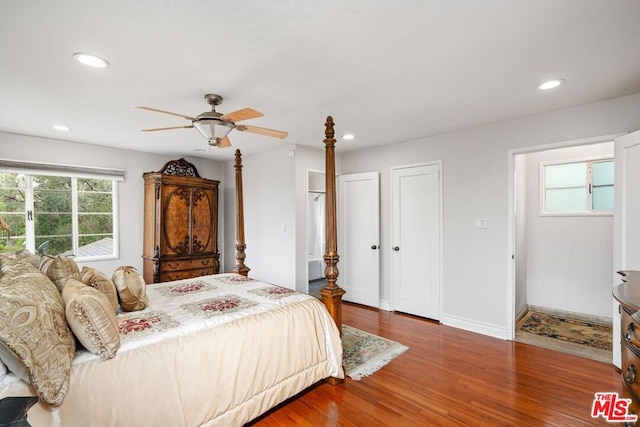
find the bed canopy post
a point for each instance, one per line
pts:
(331, 293)
(240, 267)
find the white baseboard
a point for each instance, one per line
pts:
(385, 305)
(475, 326)
(522, 313)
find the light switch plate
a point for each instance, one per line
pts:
(481, 222)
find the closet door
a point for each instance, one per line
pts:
(415, 249)
(359, 245)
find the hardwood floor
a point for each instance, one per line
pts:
(450, 377)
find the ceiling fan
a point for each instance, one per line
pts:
(215, 126)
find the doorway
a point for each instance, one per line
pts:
(561, 262)
(315, 232)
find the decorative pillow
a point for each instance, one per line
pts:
(18, 263)
(59, 269)
(97, 279)
(26, 256)
(34, 332)
(11, 267)
(132, 290)
(91, 318)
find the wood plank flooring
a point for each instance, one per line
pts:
(450, 377)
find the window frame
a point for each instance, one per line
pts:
(589, 184)
(75, 173)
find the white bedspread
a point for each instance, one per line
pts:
(215, 350)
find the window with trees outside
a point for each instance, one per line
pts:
(577, 188)
(58, 214)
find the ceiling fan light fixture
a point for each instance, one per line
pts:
(213, 129)
(215, 126)
(90, 60)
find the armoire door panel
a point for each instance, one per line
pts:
(201, 221)
(176, 220)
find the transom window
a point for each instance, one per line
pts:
(581, 187)
(58, 214)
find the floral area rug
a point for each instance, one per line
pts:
(365, 353)
(587, 333)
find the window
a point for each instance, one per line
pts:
(583, 187)
(59, 213)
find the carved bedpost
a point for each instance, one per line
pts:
(240, 267)
(331, 293)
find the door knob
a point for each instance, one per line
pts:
(374, 247)
(396, 248)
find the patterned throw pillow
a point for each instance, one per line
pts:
(98, 280)
(59, 269)
(132, 290)
(26, 256)
(91, 318)
(34, 334)
(18, 263)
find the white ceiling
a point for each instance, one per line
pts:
(387, 71)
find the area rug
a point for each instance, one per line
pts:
(365, 353)
(586, 333)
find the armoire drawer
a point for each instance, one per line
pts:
(189, 264)
(185, 274)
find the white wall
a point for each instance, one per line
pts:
(316, 179)
(475, 175)
(269, 182)
(130, 192)
(569, 258)
(275, 211)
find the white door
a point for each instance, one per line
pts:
(359, 237)
(415, 216)
(626, 226)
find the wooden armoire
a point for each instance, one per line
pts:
(180, 223)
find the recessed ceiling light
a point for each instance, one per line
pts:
(348, 136)
(550, 84)
(61, 128)
(90, 60)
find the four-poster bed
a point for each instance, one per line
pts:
(211, 350)
(331, 293)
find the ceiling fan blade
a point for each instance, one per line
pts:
(225, 142)
(165, 112)
(244, 114)
(171, 127)
(262, 131)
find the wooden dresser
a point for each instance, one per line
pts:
(628, 295)
(180, 223)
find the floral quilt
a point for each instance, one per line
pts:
(191, 305)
